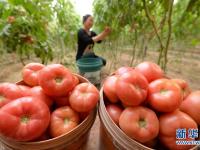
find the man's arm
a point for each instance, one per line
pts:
(94, 34)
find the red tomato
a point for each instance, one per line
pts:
(38, 92)
(30, 73)
(191, 106)
(84, 97)
(27, 39)
(76, 80)
(9, 92)
(109, 88)
(56, 80)
(132, 88)
(164, 95)
(123, 70)
(150, 70)
(63, 120)
(43, 137)
(151, 143)
(24, 119)
(24, 89)
(139, 123)
(11, 19)
(61, 101)
(114, 112)
(184, 86)
(83, 115)
(170, 123)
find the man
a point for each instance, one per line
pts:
(87, 39)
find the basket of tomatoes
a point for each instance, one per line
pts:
(50, 109)
(141, 108)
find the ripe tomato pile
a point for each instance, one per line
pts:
(50, 103)
(149, 107)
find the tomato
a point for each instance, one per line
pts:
(164, 95)
(24, 89)
(30, 73)
(43, 137)
(24, 119)
(84, 97)
(27, 39)
(61, 101)
(38, 92)
(83, 115)
(191, 106)
(139, 123)
(56, 80)
(123, 70)
(9, 92)
(132, 88)
(114, 112)
(76, 80)
(152, 143)
(109, 88)
(170, 123)
(11, 19)
(63, 120)
(184, 87)
(150, 70)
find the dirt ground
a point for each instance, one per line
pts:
(185, 66)
(181, 64)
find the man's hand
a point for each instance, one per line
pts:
(107, 30)
(102, 35)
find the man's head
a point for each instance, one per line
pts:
(88, 21)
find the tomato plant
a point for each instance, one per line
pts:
(34, 28)
(152, 27)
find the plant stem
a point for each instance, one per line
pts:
(134, 48)
(155, 29)
(169, 33)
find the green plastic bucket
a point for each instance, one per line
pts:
(89, 64)
(90, 68)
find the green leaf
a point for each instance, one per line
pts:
(16, 2)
